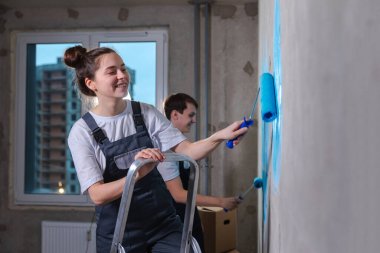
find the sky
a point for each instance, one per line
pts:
(139, 56)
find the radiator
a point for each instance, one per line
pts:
(64, 237)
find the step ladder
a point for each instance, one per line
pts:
(187, 239)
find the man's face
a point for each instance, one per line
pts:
(184, 120)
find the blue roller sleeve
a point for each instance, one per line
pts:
(268, 98)
(246, 123)
(258, 183)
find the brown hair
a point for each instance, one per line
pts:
(85, 64)
(178, 102)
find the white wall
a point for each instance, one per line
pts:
(327, 196)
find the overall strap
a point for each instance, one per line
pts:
(137, 117)
(184, 174)
(96, 131)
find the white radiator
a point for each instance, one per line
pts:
(64, 237)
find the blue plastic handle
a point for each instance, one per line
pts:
(246, 123)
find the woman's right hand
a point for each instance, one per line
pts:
(149, 153)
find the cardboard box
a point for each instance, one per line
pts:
(219, 229)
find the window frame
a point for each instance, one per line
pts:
(89, 39)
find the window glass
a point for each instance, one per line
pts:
(140, 59)
(47, 104)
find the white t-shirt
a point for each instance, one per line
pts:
(88, 158)
(170, 170)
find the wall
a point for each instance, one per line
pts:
(325, 199)
(234, 64)
(233, 90)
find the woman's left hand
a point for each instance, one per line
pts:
(149, 153)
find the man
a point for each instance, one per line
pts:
(181, 109)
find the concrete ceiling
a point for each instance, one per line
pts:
(14, 4)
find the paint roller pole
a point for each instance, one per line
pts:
(257, 184)
(268, 104)
(246, 123)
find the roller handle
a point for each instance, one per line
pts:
(246, 123)
(257, 184)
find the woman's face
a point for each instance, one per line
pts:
(111, 78)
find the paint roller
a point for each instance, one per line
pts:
(268, 104)
(256, 184)
(268, 98)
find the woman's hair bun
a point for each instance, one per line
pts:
(74, 56)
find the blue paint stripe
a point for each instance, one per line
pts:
(277, 68)
(265, 166)
(275, 139)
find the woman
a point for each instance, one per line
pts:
(106, 141)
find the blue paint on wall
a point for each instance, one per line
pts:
(278, 83)
(265, 167)
(271, 132)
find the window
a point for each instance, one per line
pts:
(47, 105)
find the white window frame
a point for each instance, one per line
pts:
(88, 39)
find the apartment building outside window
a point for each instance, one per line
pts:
(47, 105)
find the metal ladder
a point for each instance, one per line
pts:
(125, 203)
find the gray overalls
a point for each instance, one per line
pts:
(152, 224)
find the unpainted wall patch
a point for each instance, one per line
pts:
(211, 128)
(248, 68)
(2, 25)
(123, 14)
(3, 228)
(251, 9)
(3, 52)
(251, 209)
(223, 124)
(2, 140)
(19, 14)
(224, 11)
(3, 9)
(72, 13)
